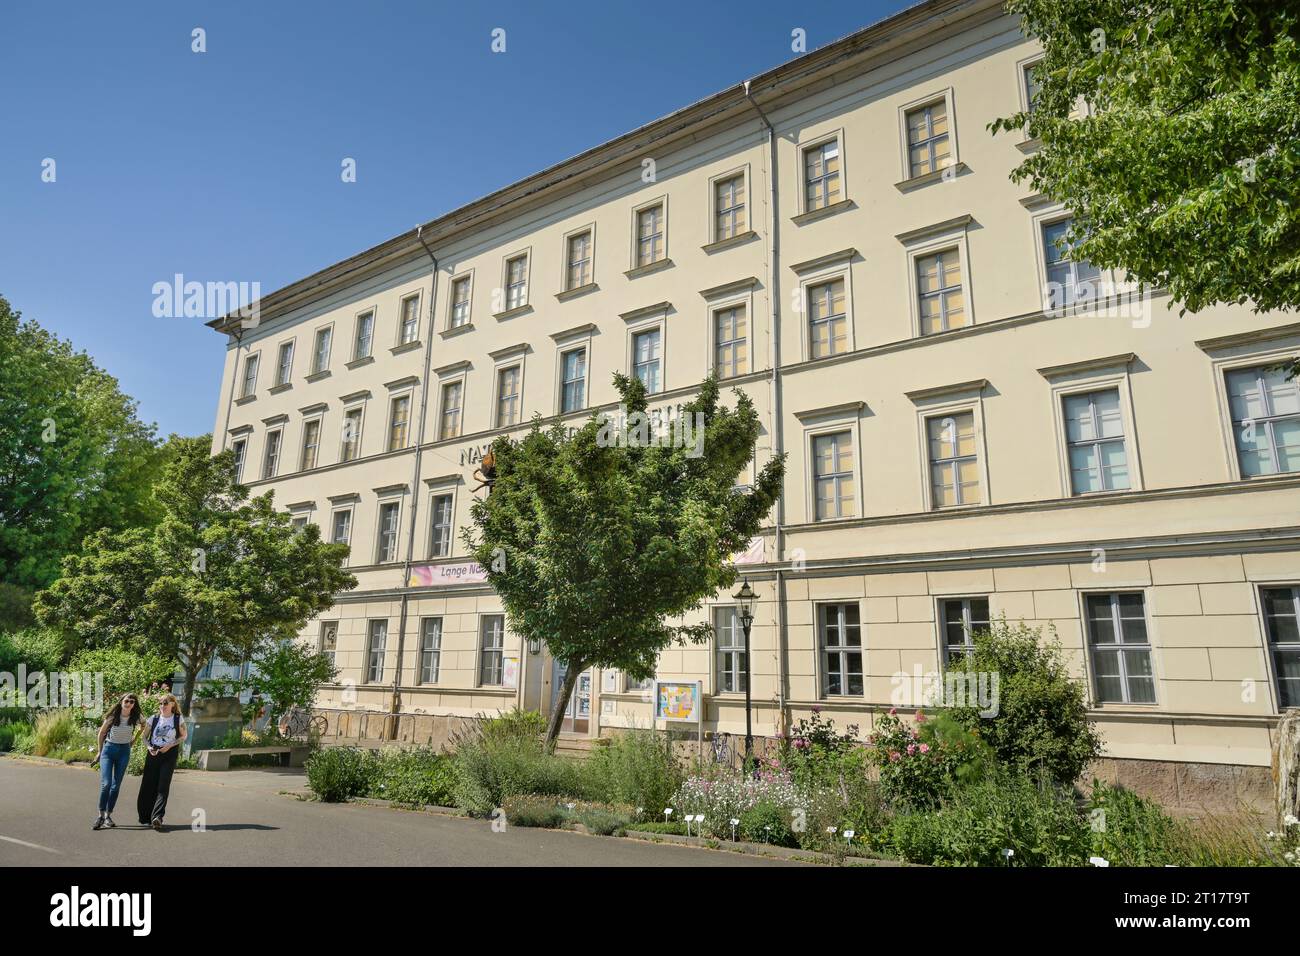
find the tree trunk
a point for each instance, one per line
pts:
(1286, 764)
(191, 673)
(557, 712)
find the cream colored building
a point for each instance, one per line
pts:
(975, 425)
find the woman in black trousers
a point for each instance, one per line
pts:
(165, 732)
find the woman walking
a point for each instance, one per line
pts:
(116, 736)
(166, 731)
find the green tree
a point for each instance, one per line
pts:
(287, 673)
(598, 548)
(218, 575)
(74, 458)
(1183, 171)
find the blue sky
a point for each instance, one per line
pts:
(225, 165)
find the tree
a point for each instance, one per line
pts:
(219, 575)
(598, 541)
(287, 673)
(74, 458)
(1184, 169)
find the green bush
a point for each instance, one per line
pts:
(1041, 723)
(415, 777)
(1037, 820)
(766, 823)
(1129, 830)
(503, 757)
(15, 608)
(54, 730)
(336, 774)
(661, 826)
(126, 672)
(39, 648)
(639, 769)
(530, 810)
(7, 732)
(24, 739)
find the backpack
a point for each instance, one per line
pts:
(176, 725)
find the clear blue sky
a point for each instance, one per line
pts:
(225, 165)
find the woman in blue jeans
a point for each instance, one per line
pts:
(116, 736)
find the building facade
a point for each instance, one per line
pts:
(976, 425)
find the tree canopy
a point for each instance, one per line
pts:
(599, 542)
(1172, 132)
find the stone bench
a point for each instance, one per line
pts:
(220, 759)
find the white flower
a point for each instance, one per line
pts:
(1290, 820)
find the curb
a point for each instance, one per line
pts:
(763, 849)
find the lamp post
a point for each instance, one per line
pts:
(745, 599)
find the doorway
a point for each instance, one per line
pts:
(577, 713)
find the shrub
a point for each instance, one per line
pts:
(7, 734)
(504, 757)
(336, 774)
(530, 810)
(814, 754)
(126, 672)
(1041, 722)
(1035, 819)
(1129, 830)
(638, 768)
(662, 826)
(766, 823)
(600, 819)
(15, 608)
(39, 648)
(731, 795)
(54, 730)
(415, 777)
(918, 766)
(24, 738)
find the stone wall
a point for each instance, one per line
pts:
(371, 729)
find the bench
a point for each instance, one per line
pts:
(220, 759)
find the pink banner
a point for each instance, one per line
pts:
(754, 554)
(441, 575)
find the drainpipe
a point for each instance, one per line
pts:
(394, 713)
(234, 383)
(774, 385)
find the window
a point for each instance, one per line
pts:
(939, 292)
(386, 550)
(928, 146)
(516, 282)
(631, 684)
(578, 259)
(729, 207)
(460, 302)
(284, 364)
(1094, 435)
(320, 359)
(645, 359)
(1121, 650)
(828, 325)
(1281, 614)
(271, 463)
(310, 443)
(492, 642)
(841, 647)
(954, 463)
(298, 522)
(833, 475)
(650, 235)
(440, 534)
(410, 326)
(573, 391)
(375, 645)
(329, 640)
(399, 418)
(508, 396)
(731, 650)
(961, 618)
(365, 335)
(240, 449)
(430, 649)
(1068, 280)
(821, 170)
(1265, 411)
(451, 400)
(250, 377)
(1028, 73)
(341, 533)
(351, 434)
(731, 338)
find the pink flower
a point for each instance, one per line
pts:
(920, 717)
(925, 748)
(893, 755)
(893, 711)
(911, 749)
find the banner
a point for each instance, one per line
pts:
(442, 575)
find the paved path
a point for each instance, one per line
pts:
(46, 812)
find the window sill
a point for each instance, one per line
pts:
(457, 330)
(574, 293)
(917, 182)
(823, 212)
(318, 376)
(277, 389)
(513, 313)
(406, 347)
(649, 268)
(736, 240)
(1030, 145)
(245, 399)
(358, 362)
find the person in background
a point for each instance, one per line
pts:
(165, 735)
(118, 733)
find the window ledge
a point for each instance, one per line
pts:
(406, 347)
(1030, 145)
(358, 362)
(574, 293)
(245, 399)
(318, 376)
(277, 389)
(457, 330)
(815, 214)
(652, 267)
(513, 313)
(735, 240)
(916, 182)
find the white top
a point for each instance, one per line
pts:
(163, 732)
(121, 732)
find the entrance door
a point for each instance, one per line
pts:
(577, 713)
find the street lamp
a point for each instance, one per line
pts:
(745, 599)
